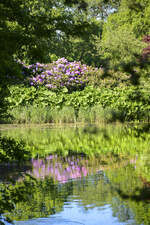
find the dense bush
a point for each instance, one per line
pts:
(42, 105)
(71, 76)
(59, 74)
(65, 91)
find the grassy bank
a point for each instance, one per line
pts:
(32, 105)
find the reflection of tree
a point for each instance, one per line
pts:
(143, 195)
(12, 171)
(117, 140)
(133, 197)
(142, 130)
(11, 194)
(10, 150)
(127, 207)
(121, 210)
(48, 195)
(94, 191)
(45, 198)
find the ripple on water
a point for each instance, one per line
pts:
(47, 221)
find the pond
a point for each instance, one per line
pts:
(78, 175)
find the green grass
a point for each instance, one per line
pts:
(36, 114)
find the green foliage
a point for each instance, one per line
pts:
(79, 48)
(25, 198)
(45, 30)
(12, 150)
(137, 14)
(13, 193)
(4, 92)
(28, 104)
(120, 46)
(27, 29)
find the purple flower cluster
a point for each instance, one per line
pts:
(35, 69)
(61, 73)
(31, 70)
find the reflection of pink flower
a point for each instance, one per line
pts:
(52, 166)
(58, 177)
(36, 173)
(84, 171)
(49, 157)
(40, 162)
(71, 163)
(51, 170)
(43, 168)
(68, 169)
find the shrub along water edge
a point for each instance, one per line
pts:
(31, 105)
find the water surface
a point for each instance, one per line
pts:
(65, 183)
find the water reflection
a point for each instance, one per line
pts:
(63, 169)
(120, 141)
(76, 190)
(64, 183)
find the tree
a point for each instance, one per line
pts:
(123, 32)
(27, 28)
(78, 48)
(120, 47)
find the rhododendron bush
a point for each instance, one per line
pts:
(59, 74)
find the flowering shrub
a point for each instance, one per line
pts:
(59, 74)
(32, 69)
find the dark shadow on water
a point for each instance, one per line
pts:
(13, 171)
(143, 196)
